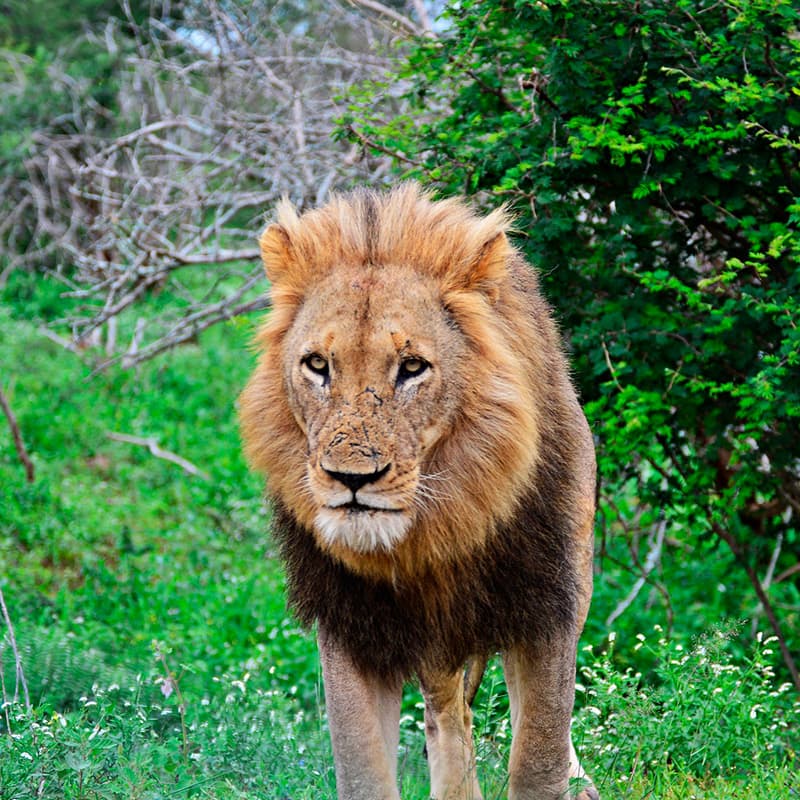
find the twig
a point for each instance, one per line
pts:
(129, 359)
(610, 366)
(5, 274)
(631, 531)
(17, 658)
(728, 538)
(497, 91)
(372, 145)
(17, 436)
(773, 562)
(653, 557)
(187, 329)
(61, 342)
(424, 17)
(390, 13)
(172, 684)
(167, 455)
(3, 695)
(787, 573)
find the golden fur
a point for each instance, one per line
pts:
(431, 470)
(480, 468)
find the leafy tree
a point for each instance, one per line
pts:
(34, 25)
(652, 153)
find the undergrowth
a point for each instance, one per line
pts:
(150, 618)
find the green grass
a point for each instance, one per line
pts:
(148, 606)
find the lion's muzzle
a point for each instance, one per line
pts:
(356, 480)
(360, 508)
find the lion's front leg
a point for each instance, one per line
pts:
(364, 719)
(541, 692)
(448, 735)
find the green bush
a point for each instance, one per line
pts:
(651, 152)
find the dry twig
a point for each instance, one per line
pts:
(651, 562)
(20, 674)
(151, 443)
(391, 14)
(17, 437)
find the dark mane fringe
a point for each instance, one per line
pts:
(520, 589)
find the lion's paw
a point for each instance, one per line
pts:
(589, 793)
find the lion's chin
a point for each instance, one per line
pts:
(362, 531)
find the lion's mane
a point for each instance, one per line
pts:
(492, 560)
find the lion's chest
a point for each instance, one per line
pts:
(520, 590)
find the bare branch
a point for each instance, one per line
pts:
(20, 674)
(67, 344)
(424, 17)
(152, 445)
(651, 562)
(787, 573)
(767, 582)
(17, 436)
(389, 13)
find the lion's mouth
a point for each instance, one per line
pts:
(353, 506)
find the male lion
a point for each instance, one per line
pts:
(433, 481)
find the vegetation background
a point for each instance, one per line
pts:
(651, 152)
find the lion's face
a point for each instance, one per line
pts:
(393, 408)
(372, 370)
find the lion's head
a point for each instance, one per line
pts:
(394, 406)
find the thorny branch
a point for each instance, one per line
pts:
(218, 117)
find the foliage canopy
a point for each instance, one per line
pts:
(652, 153)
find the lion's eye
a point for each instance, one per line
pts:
(410, 368)
(317, 364)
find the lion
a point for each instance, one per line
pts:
(433, 481)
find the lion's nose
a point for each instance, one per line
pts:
(356, 480)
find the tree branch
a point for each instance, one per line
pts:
(17, 658)
(651, 562)
(17, 436)
(728, 538)
(389, 13)
(152, 445)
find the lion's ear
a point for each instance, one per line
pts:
(284, 259)
(486, 272)
(276, 253)
(282, 249)
(491, 268)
